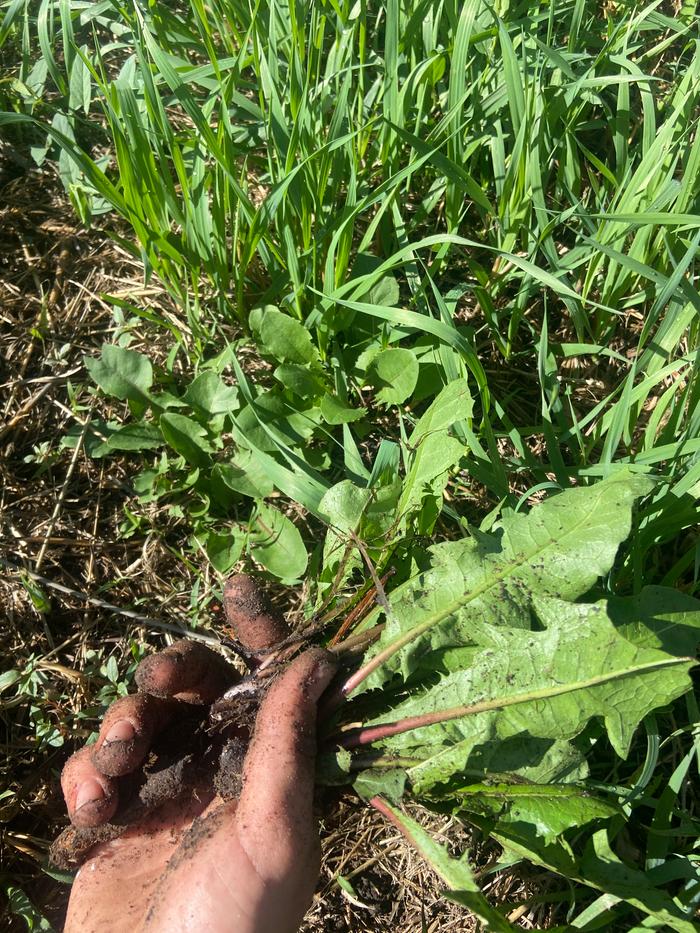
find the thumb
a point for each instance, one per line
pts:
(274, 818)
(257, 863)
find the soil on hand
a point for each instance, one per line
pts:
(192, 756)
(253, 621)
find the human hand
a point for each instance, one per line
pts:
(201, 862)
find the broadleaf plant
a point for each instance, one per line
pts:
(222, 446)
(526, 686)
(502, 668)
(560, 549)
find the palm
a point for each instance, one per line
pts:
(126, 880)
(131, 865)
(199, 862)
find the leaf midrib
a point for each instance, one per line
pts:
(509, 568)
(409, 723)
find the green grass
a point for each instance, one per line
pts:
(528, 176)
(505, 193)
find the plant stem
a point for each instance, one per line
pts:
(353, 682)
(380, 804)
(358, 611)
(360, 762)
(359, 641)
(368, 734)
(334, 699)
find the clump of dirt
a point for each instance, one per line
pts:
(228, 777)
(69, 850)
(182, 758)
(192, 756)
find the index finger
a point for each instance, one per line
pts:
(187, 671)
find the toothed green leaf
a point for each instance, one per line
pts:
(560, 548)
(533, 687)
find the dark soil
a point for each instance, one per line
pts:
(228, 778)
(192, 756)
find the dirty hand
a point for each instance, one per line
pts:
(200, 862)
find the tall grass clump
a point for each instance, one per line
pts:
(522, 179)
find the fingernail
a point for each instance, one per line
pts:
(121, 731)
(89, 791)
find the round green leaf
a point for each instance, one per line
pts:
(300, 380)
(281, 336)
(210, 394)
(223, 550)
(344, 505)
(121, 373)
(276, 543)
(385, 292)
(243, 475)
(393, 373)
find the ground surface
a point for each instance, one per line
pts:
(60, 513)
